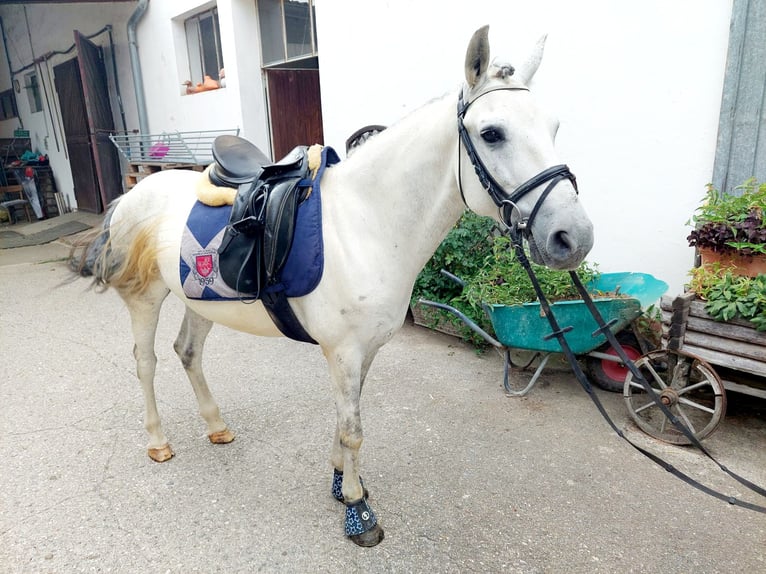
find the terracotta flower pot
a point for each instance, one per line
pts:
(749, 266)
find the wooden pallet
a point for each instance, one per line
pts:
(138, 171)
(734, 344)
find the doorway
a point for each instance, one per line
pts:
(295, 109)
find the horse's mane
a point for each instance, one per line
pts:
(382, 137)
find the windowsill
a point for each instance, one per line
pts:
(193, 92)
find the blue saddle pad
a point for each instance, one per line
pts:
(204, 231)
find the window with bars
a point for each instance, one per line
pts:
(288, 30)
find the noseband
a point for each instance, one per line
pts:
(506, 202)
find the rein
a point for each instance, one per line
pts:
(520, 229)
(604, 328)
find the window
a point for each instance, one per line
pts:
(287, 30)
(203, 42)
(32, 86)
(7, 105)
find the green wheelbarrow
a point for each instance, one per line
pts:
(524, 327)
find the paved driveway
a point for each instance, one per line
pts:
(462, 478)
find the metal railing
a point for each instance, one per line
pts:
(192, 147)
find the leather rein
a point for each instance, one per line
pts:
(520, 229)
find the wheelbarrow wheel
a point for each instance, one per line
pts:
(688, 386)
(610, 375)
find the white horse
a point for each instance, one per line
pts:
(384, 212)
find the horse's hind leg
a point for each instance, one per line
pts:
(188, 347)
(144, 314)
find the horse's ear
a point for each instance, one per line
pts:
(477, 56)
(527, 71)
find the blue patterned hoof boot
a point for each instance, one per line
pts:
(361, 524)
(337, 485)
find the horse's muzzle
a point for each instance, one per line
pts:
(563, 248)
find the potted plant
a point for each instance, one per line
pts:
(730, 229)
(730, 235)
(729, 295)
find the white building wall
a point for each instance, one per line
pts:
(162, 48)
(637, 86)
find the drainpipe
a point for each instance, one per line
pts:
(135, 65)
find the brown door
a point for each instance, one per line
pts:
(72, 102)
(295, 109)
(90, 60)
(87, 117)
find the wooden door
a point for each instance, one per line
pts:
(77, 136)
(98, 110)
(295, 109)
(741, 148)
(87, 117)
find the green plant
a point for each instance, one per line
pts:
(649, 326)
(502, 280)
(728, 223)
(728, 296)
(462, 253)
(475, 252)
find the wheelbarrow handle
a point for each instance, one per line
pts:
(469, 323)
(455, 278)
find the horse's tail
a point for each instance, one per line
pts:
(125, 259)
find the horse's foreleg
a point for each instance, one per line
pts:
(144, 314)
(188, 347)
(337, 449)
(348, 373)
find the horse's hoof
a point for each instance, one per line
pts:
(361, 524)
(161, 454)
(221, 437)
(370, 538)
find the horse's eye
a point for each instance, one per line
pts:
(492, 135)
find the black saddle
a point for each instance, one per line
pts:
(238, 161)
(262, 222)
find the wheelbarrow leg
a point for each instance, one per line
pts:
(530, 384)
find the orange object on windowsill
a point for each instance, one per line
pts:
(207, 85)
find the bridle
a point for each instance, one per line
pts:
(507, 202)
(520, 229)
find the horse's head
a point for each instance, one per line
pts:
(517, 178)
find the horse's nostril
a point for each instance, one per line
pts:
(561, 242)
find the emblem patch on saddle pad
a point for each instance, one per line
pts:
(199, 254)
(205, 269)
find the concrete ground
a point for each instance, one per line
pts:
(463, 478)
